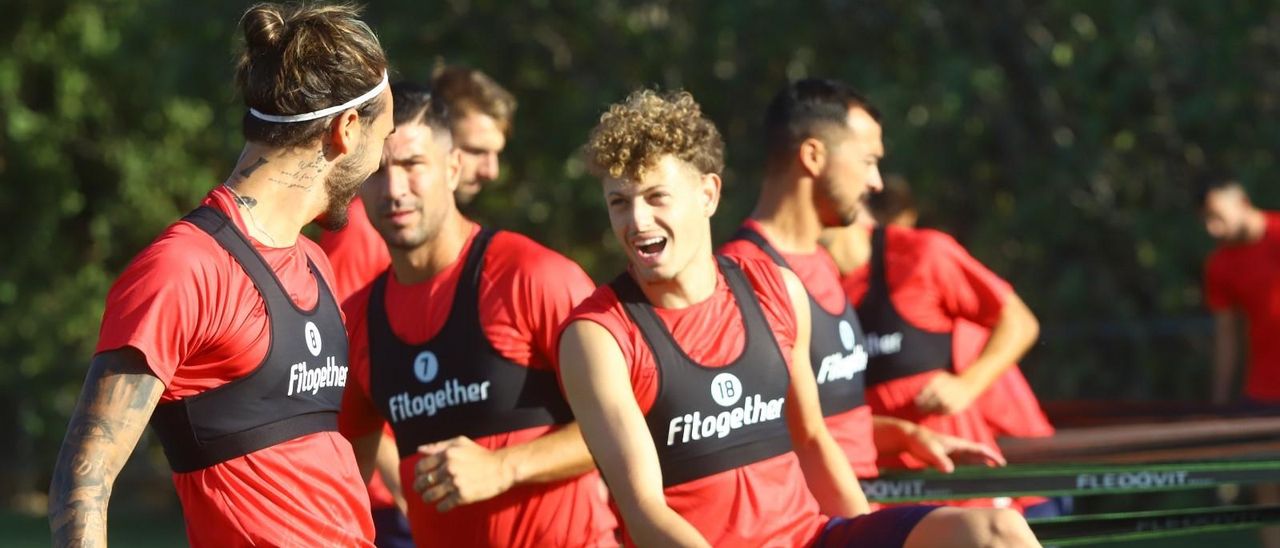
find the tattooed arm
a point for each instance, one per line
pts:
(119, 394)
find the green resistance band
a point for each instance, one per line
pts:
(1056, 480)
(1130, 526)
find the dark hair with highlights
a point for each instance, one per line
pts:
(301, 58)
(807, 109)
(634, 134)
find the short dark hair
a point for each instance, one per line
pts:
(1206, 184)
(809, 108)
(414, 103)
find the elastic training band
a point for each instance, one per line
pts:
(306, 116)
(1091, 530)
(1017, 480)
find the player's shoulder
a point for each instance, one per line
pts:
(181, 248)
(1223, 262)
(922, 244)
(603, 302)
(760, 268)
(926, 238)
(742, 249)
(765, 276)
(515, 253)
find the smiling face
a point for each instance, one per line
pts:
(851, 170)
(662, 221)
(411, 194)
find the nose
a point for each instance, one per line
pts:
(874, 182)
(488, 168)
(641, 215)
(397, 181)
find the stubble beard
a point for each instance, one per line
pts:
(341, 187)
(837, 214)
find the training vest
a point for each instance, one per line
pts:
(706, 420)
(837, 352)
(896, 348)
(455, 384)
(295, 391)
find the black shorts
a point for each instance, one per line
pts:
(887, 528)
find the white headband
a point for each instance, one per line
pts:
(307, 116)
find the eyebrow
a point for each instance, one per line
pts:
(637, 190)
(414, 158)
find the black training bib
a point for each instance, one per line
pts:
(837, 350)
(296, 390)
(706, 420)
(897, 349)
(455, 384)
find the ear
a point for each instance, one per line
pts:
(709, 192)
(453, 168)
(344, 133)
(812, 156)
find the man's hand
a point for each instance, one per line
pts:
(946, 394)
(944, 452)
(458, 471)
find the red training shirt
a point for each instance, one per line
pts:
(933, 282)
(1009, 405)
(357, 251)
(358, 254)
(817, 271)
(1247, 277)
(189, 307)
(764, 503)
(526, 290)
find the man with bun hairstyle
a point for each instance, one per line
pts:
(689, 373)
(453, 347)
(224, 334)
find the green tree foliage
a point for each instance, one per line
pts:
(1056, 139)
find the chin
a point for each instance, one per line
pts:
(646, 274)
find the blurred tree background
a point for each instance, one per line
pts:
(1057, 140)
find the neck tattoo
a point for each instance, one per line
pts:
(247, 202)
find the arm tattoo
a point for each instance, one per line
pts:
(119, 395)
(246, 201)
